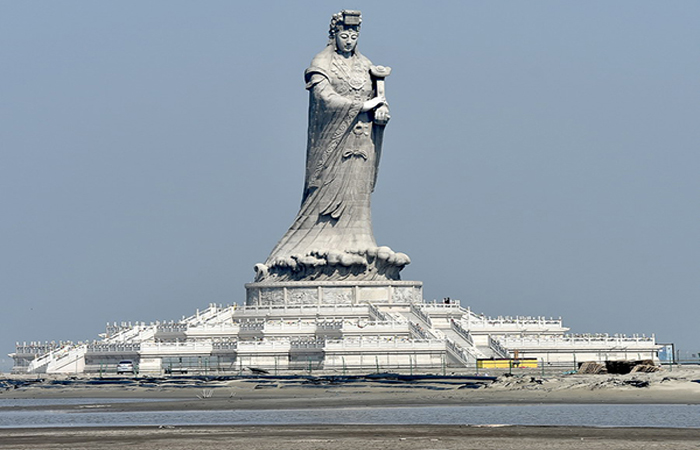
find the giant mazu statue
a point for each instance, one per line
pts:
(329, 254)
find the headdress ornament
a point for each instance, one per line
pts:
(345, 19)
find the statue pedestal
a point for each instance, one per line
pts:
(333, 292)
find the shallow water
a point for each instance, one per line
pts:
(673, 416)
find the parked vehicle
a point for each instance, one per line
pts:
(125, 367)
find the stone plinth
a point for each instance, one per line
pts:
(333, 292)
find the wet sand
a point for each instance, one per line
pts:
(676, 387)
(671, 387)
(351, 437)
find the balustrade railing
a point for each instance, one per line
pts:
(418, 330)
(39, 348)
(172, 327)
(447, 302)
(133, 333)
(116, 347)
(303, 326)
(311, 344)
(56, 355)
(460, 352)
(476, 321)
(329, 324)
(224, 345)
(177, 347)
(578, 340)
(497, 348)
(418, 312)
(388, 343)
(304, 309)
(251, 325)
(203, 316)
(277, 345)
(378, 315)
(464, 334)
(386, 326)
(214, 328)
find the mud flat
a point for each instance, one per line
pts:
(351, 437)
(679, 386)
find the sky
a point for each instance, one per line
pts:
(541, 159)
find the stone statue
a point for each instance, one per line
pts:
(331, 237)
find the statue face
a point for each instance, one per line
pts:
(346, 40)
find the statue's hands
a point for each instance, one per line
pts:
(381, 115)
(373, 103)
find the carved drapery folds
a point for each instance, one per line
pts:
(331, 237)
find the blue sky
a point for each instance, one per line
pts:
(542, 157)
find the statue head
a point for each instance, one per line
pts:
(345, 30)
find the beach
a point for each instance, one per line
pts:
(350, 437)
(677, 386)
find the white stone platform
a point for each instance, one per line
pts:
(368, 335)
(333, 292)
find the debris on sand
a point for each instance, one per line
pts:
(623, 367)
(645, 368)
(592, 368)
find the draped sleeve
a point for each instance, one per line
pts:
(331, 117)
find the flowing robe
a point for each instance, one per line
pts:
(333, 226)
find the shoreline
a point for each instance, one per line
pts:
(250, 394)
(348, 398)
(349, 436)
(665, 387)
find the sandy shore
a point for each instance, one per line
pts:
(672, 387)
(669, 387)
(351, 437)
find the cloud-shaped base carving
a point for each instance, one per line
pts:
(377, 263)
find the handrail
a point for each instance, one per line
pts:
(251, 325)
(304, 308)
(56, 355)
(497, 348)
(464, 334)
(447, 303)
(474, 320)
(374, 311)
(38, 348)
(116, 347)
(422, 315)
(459, 351)
(50, 356)
(384, 343)
(308, 343)
(570, 339)
(418, 330)
(175, 327)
